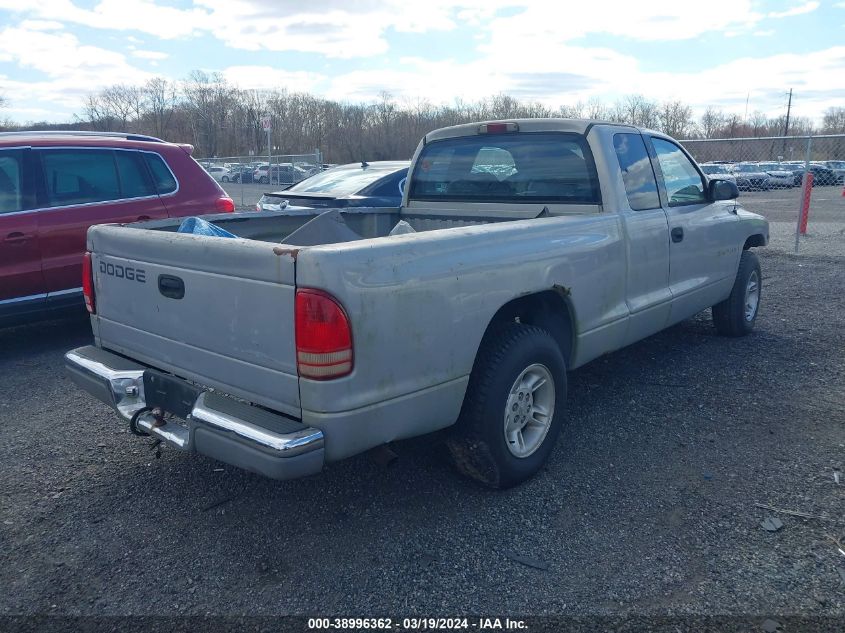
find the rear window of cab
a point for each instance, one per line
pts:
(508, 168)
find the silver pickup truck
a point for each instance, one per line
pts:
(522, 249)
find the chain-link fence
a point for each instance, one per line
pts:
(770, 174)
(245, 178)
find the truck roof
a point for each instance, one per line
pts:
(578, 126)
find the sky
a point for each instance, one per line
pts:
(710, 53)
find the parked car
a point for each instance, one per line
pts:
(280, 174)
(749, 177)
(242, 174)
(54, 185)
(716, 170)
(344, 330)
(797, 169)
(376, 184)
(220, 174)
(779, 177)
(838, 168)
(822, 175)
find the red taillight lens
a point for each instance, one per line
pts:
(224, 204)
(323, 336)
(88, 283)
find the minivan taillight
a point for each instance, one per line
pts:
(224, 204)
(88, 283)
(323, 336)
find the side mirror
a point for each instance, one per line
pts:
(723, 189)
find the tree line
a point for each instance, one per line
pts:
(220, 119)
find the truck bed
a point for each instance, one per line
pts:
(233, 328)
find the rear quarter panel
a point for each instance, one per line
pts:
(419, 304)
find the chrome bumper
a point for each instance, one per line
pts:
(228, 430)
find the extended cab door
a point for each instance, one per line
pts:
(636, 199)
(703, 259)
(80, 187)
(21, 281)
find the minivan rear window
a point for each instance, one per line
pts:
(527, 167)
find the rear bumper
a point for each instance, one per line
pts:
(223, 428)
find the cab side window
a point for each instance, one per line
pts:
(684, 184)
(637, 173)
(11, 181)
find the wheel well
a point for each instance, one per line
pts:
(754, 240)
(549, 310)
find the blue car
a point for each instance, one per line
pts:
(376, 184)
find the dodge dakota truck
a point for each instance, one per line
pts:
(522, 249)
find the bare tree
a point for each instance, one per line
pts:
(675, 119)
(221, 120)
(834, 121)
(636, 110)
(160, 98)
(712, 121)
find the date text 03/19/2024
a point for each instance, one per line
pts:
(417, 624)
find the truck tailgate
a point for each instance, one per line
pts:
(218, 311)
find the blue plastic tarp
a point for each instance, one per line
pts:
(198, 226)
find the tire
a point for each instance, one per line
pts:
(480, 446)
(225, 179)
(736, 315)
(264, 180)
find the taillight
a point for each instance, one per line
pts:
(88, 283)
(323, 336)
(224, 204)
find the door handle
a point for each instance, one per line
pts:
(17, 238)
(677, 234)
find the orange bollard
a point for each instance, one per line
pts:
(805, 201)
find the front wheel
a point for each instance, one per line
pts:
(736, 315)
(513, 409)
(264, 180)
(225, 179)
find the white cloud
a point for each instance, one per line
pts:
(558, 75)
(41, 25)
(149, 54)
(67, 71)
(268, 78)
(807, 7)
(533, 50)
(119, 15)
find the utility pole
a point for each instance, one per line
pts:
(788, 109)
(786, 124)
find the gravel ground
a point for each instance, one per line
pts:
(648, 505)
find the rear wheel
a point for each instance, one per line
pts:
(736, 315)
(513, 409)
(264, 180)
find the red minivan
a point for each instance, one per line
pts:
(54, 185)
